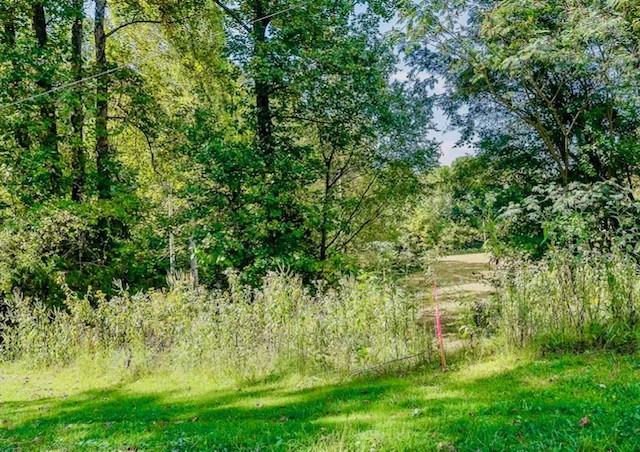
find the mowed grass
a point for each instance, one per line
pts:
(588, 402)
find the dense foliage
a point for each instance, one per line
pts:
(285, 328)
(143, 139)
(139, 138)
(198, 193)
(548, 92)
(556, 79)
(568, 304)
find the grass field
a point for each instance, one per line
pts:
(499, 402)
(567, 403)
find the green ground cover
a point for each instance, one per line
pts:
(498, 402)
(589, 402)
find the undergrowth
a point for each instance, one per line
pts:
(281, 327)
(571, 302)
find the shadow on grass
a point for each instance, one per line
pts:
(233, 419)
(532, 406)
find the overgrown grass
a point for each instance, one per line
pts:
(570, 302)
(589, 402)
(283, 327)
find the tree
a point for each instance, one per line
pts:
(247, 136)
(102, 150)
(48, 114)
(78, 154)
(328, 144)
(559, 67)
(30, 140)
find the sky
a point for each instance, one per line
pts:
(443, 133)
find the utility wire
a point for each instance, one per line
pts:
(130, 65)
(60, 87)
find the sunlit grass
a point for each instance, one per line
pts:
(513, 402)
(502, 401)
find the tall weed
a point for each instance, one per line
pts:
(570, 302)
(241, 332)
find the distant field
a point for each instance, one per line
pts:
(462, 280)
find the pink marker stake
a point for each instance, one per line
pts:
(439, 327)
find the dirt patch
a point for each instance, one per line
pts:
(475, 258)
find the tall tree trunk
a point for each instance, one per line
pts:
(276, 209)
(193, 261)
(102, 148)
(172, 249)
(324, 226)
(78, 158)
(49, 136)
(9, 39)
(262, 86)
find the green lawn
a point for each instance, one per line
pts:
(498, 404)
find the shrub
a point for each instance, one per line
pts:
(569, 302)
(435, 224)
(245, 332)
(381, 257)
(83, 245)
(597, 215)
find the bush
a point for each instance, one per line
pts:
(433, 224)
(243, 332)
(82, 245)
(597, 215)
(381, 257)
(570, 302)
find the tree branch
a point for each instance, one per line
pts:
(356, 209)
(303, 118)
(233, 15)
(374, 217)
(133, 22)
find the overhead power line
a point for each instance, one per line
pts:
(130, 65)
(60, 87)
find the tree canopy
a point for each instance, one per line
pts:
(139, 138)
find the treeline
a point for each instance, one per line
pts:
(551, 86)
(144, 138)
(549, 93)
(141, 138)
